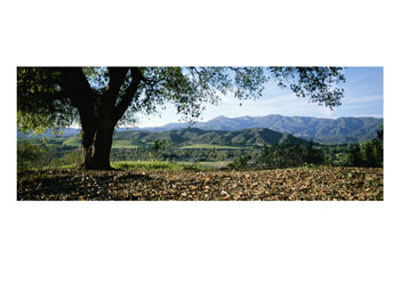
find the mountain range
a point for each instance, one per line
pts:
(322, 130)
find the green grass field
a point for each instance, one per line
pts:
(122, 143)
(211, 146)
(117, 143)
(73, 141)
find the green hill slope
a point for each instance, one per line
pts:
(193, 136)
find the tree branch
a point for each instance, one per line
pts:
(117, 77)
(130, 92)
(77, 88)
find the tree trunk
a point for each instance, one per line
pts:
(96, 147)
(98, 121)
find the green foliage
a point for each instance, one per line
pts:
(41, 103)
(366, 154)
(155, 149)
(31, 156)
(27, 155)
(240, 162)
(313, 155)
(372, 153)
(210, 146)
(72, 158)
(344, 159)
(280, 156)
(289, 155)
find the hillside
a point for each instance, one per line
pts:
(341, 130)
(192, 136)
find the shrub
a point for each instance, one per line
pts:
(240, 162)
(32, 156)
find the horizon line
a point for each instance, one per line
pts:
(235, 117)
(273, 114)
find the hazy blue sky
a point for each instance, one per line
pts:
(363, 97)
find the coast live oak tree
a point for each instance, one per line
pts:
(100, 98)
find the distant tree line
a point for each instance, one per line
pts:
(168, 152)
(281, 156)
(366, 154)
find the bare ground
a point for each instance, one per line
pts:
(332, 183)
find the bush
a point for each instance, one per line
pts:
(371, 153)
(367, 154)
(313, 155)
(32, 156)
(73, 158)
(290, 155)
(240, 162)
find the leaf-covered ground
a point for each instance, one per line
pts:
(332, 183)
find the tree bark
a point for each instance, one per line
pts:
(96, 147)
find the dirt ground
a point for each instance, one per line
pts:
(333, 183)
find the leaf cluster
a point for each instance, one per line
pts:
(318, 84)
(41, 104)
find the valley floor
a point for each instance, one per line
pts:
(326, 183)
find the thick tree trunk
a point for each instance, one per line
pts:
(96, 147)
(98, 121)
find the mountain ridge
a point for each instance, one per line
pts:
(193, 136)
(323, 130)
